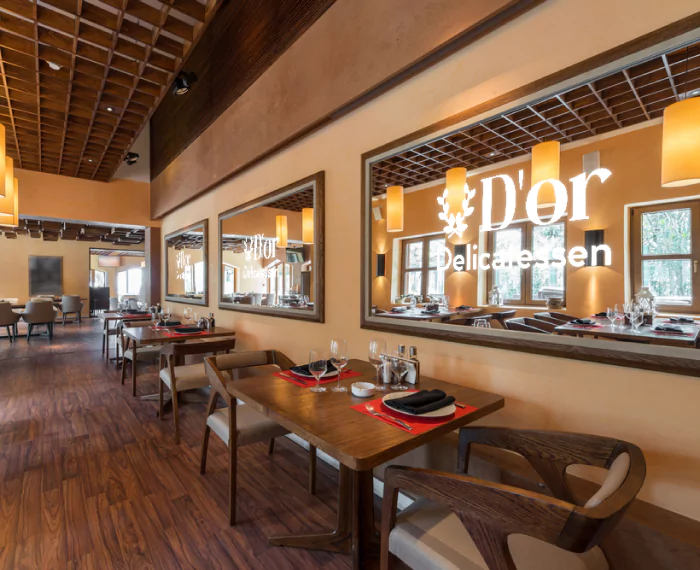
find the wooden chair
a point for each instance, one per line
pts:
(501, 317)
(142, 353)
(238, 424)
(469, 321)
(179, 378)
(556, 318)
(527, 324)
(468, 523)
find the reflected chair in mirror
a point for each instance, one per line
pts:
(268, 300)
(527, 324)
(377, 311)
(469, 321)
(9, 320)
(114, 303)
(143, 353)
(554, 317)
(501, 317)
(246, 300)
(461, 521)
(71, 305)
(182, 377)
(40, 312)
(238, 424)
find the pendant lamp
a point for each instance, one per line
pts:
(394, 209)
(545, 166)
(281, 231)
(3, 155)
(680, 149)
(9, 205)
(455, 183)
(307, 225)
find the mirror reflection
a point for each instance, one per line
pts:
(268, 253)
(186, 264)
(576, 215)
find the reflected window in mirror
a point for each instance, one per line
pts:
(186, 263)
(271, 253)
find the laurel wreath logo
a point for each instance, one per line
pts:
(455, 222)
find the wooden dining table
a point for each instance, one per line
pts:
(358, 441)
(114, 317)
(645, 335)
(136, 337)
(442, 315)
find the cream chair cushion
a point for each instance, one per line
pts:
(252, 426)
(428, 536)
(616, 476)
(143, 352)
(188, 377)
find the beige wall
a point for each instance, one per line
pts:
(15, 253)
(654, 410)
(62, 197)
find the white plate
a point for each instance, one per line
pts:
(326, 375)
(441, 413)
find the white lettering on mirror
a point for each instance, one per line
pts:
(182, 260)
(259, 247)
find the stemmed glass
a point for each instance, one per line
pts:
(482, 323)
(155, 318)
(446, 299)
(399, 368)
(377, 347)
(612, 315)
(166, 315)
(339, 359)
(619, 315)
(187, 314)
(318, 364)
(636, 319)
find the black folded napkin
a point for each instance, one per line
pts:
(668, 328)
(138, 312)
(430, 311)
(304, 370)
(398, 309)
(601, 314)
(682, 320)
(170, 323)
(187, 330)
(583, 322)
(421, 402)
(464, 307)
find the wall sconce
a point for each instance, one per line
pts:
(546, 159)
(461, 249)
(381, 265)
(595, 238)
(680, 145)
(394, 209)
(307, 225)
(281, 231)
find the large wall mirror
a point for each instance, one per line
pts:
(566, 225)
(186, 262)
(271, 253)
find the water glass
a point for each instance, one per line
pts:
(187, 314)
(377, 347)
(636, 319)
(446, 299)
(482, 323)
(339, 359)
(166, 315)
(318, 364)
(400, 369)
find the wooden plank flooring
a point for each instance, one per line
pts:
(91, 479)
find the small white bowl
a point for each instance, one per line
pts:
(363, 389)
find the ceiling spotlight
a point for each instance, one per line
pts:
(110, 109)
(183, 82)
(131, 158)
(89, 160)
(54, 66)
(494, 153)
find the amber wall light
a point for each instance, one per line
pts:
(680, 150)
(3, 156)
(9, 204)
(456, 180)
(394, 209)
(281, 231)
(307, 225)
(546, 158)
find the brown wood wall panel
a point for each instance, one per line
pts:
(356, 50)
(244, 39)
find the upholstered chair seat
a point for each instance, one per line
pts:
(40, 312)
(9, 320)
(251, 426)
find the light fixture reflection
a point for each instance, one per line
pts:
(307, 225)
(3, 156)
(394, 209)
(546, 159)
(281, 231)
(456, 180)
(680, 150)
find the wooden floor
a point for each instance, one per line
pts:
(90, 478)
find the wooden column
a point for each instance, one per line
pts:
(153, 265)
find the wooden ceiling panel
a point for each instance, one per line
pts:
(116, 59)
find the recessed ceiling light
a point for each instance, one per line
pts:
(110, 109)
(89, 160)
(54, 66)
(494, 153)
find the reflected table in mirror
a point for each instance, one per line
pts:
(646, 335)
(443, 315)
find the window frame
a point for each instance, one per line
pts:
(93, 275)
(425, 267)
(636, 256)
(526, 241)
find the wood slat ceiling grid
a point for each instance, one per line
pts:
(114, 54)
(620, 99)
(295, 202)
(53, 230)
(187, 240)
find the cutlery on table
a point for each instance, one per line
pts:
(293, 378)
(371, 410)
(460, 405)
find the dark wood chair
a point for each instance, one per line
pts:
(554, 317)
(461, 521)
(469, 321)
(501, 317)
(238, 424)
(181, 377)
(527, 324)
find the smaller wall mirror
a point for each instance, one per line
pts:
(271, 253)
(186, 262)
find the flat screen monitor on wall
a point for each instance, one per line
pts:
(45, 275)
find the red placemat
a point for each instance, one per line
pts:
(131, 316)
(176, 335)
(304, 382)
(593, 326)
(419, 425)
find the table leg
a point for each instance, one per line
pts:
(133, 368)
(355, 531)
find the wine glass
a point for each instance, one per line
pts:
(482, 323)
(399, 368)
(636, 319)
(155, 318)
(318, 364)
(611, 313)
(187, 314)
(619, 315)
(166, 315)
(339, 359)
(377, 347)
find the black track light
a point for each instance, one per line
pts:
(131, 158)
(183, 82)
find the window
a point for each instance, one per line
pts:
(229, 280)
(98, 278)
(535, 284)
(129, 282)
(421, 257)
(665, 252)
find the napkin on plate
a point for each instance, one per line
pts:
(583, 322)
(172, 324)
(421, 402)
(188, 330)
(398, 309)
(668, 328)
(430, 311)
(682, 320)
(304, 370)
(464, 307)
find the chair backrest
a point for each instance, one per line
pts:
(562, 316)
(133, 304)
(502, 316)
(7, 315)
(469, 321)
(546, 317)
(39, 312)
(537, 323)
(114, 303)
(187, 348)
(71, 303)
(519, 324)
(257, 298)
(246, 300)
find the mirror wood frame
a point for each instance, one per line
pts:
(317, 181)
(204, 301)
(684, 361)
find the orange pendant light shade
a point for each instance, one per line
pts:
(9, 205)
(307, 225)
(455, 183)
(281, 231)
(3, 155)
(546, 159)
(394, 209)
(680, 150)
